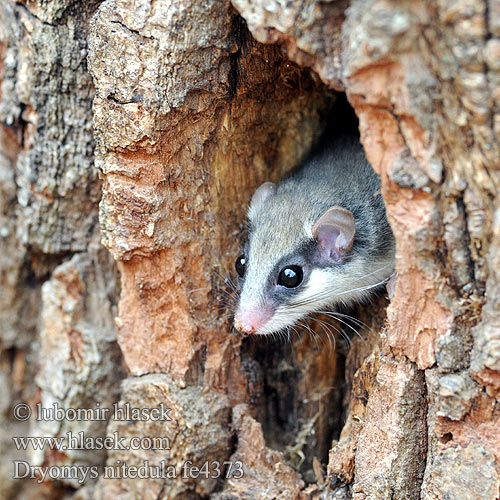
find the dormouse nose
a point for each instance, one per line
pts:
(250, 319)
(243, 328)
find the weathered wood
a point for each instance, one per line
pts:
(192, 105)
(58, 285)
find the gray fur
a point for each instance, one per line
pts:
(281, 235)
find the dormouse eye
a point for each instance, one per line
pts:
(240, 265)
(291, 276)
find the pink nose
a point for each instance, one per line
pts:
(252, 319)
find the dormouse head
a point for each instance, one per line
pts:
(285, 270)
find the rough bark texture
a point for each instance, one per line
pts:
(171, 113)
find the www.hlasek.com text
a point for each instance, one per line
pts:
(80, 441)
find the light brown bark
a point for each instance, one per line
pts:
(171, 113)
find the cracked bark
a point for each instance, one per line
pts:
(171, 113)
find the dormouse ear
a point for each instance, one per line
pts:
(334, 231)
(260, 196)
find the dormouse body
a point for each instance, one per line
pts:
(318, 239)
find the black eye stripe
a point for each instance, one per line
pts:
(291, 276)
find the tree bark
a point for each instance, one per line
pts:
(171, 113)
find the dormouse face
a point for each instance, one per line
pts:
(285, 270)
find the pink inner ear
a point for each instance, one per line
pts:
(329, 239)
(335, 231)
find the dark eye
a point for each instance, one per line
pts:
(291, 276)
(240, 265)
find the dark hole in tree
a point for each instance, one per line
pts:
(445, 438)
(305, 383)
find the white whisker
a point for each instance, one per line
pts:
(330, 292)
(345, 323)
